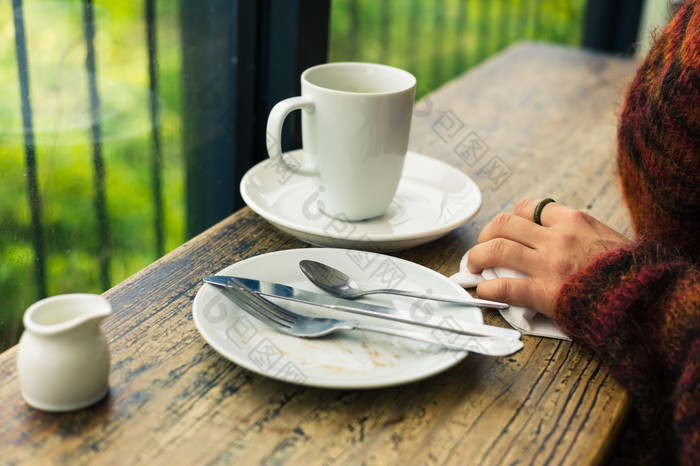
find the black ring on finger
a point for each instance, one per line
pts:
(538, 209)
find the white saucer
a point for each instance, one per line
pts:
(353, 359)
(433, 199)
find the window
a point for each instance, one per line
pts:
(125, 127)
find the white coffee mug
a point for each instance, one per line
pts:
(356, 120)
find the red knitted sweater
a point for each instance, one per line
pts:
(639, 308)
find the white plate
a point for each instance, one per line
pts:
(350, 359)
(433, 199)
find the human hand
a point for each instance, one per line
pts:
(567, 241)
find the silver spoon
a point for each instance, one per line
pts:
(338, 284)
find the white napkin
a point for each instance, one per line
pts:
(528, 321)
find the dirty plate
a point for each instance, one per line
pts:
(354, 359)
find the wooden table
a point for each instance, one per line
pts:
(536, 120)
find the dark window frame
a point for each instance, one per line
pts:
(239, 59)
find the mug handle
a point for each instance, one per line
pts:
(274, 132)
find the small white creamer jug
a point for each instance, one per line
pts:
(63, 359)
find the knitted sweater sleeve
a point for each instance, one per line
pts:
(638, 308)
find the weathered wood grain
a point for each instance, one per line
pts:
(548, 117)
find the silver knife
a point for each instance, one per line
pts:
(277, 290)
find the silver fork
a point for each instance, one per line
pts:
(298, 325)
